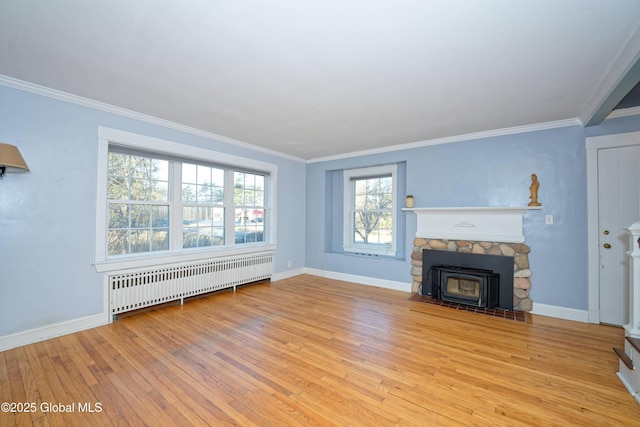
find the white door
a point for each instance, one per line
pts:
(619, 207)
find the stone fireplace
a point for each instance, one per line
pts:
(519, 252)
(487, 230)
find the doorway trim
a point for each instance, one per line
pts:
(593, 144)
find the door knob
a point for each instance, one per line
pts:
(607, 246)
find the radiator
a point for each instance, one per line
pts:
(142, 288)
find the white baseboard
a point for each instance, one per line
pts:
(541, 309)
(363, 280)
(629, 387)
(287, 274)
(51, 331)
(561, 312)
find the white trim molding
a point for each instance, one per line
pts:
(633, 326)
(107, 136)
(287, 274)
(624, 112)
(52, 331)
(560, 312)
(362, 280)
(456, 138)
(349, 177)
(593, 144)
(101, 106)
(489, 224)
(539, 309)
(620, 74)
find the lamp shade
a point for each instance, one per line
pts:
(11, 159)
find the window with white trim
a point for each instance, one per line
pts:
(202, 206)
(138, 204)
(248, 199)
(370, 225)
(160, 201)
(144, 214)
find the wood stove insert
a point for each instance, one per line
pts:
(501, 293)
(469, 286)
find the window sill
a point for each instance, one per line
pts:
(367, 250)
(145, 261)
(399, 257)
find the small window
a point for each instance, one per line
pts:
(370, 218)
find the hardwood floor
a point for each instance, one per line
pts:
(311, 351)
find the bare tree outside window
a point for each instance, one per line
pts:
(138, 217)
(164, 203)
(372, 212)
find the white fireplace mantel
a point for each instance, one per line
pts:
(488, 224)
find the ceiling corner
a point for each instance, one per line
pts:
(621, 78)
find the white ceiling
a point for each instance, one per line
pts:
(322, 78)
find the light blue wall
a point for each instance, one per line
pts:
(320, 238)
(334, 215)
(488, 172)
(615, 126)
(47, 216)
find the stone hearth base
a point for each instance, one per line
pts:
(519, 316)
(519, 252)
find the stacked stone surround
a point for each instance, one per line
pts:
(519, 252)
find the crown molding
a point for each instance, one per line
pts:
(615, 84)
(624, 112)
(102, 106)
(456, 138)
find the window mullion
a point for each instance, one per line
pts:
(394, 210)
(175, 206)
(349, 207)
(229, 209)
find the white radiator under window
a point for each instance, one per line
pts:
(142, 288)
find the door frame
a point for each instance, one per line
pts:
(593, 144)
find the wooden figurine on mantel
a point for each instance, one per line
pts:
(534, 191)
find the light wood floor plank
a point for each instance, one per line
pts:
(309, 351)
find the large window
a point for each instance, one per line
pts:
(370, 219)
(143, 212)
(162, 202)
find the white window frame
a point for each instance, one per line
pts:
(151, 145)
(349, 176)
